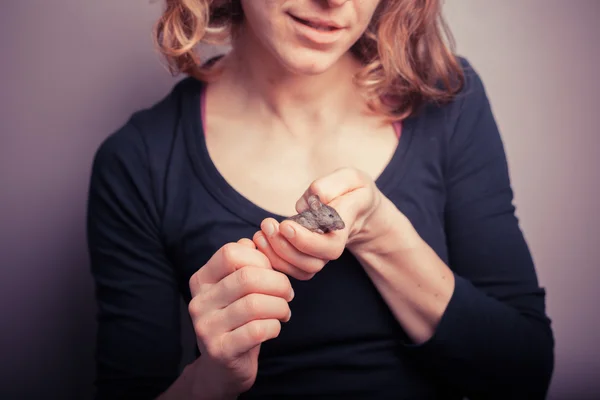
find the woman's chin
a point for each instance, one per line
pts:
(309, 63)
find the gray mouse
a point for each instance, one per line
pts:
(319, 217)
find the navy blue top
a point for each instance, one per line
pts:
(158, 209)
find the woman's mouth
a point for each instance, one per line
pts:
(322, 26)
(316, 30)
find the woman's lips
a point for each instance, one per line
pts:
(320, 25)
(316, 30)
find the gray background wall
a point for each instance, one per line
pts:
(72, 71)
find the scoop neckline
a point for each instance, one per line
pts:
(234, 201)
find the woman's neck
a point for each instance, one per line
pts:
(302, 103)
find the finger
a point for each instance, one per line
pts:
(302, 203)
(245, 281)
(245, 338)
(335, 184)
(249, 308)
(287, 252)
(254, 306)
(277, 262)
(316, 246)
(228, 259)
(247, 242)
(350, 205)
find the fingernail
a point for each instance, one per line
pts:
(262, 242)
(287, 231)
(292, 295)
(269, 228)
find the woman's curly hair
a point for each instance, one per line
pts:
(407, 62)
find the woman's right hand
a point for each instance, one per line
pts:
(238, 302)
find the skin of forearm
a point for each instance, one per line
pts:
(414, 282)
(195, 383)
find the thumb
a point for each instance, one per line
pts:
(350, 205)
(247, 242)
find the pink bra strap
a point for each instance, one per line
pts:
(398, 128)
(203, 108)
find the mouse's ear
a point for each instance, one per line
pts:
(314, 202)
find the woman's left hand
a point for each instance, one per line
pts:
(300, 253)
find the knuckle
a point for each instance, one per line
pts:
(204, 326)
(337, 253)
(246, 242)
(313, 267)
(286, 283)
(303, 275)
(201, 329)
(246, 277)
(355, 175)
(256, 331)
(315, 187)
(275, 328)
(284, 308)
(214, 349)
(252, 304)
(193, 308)
(194, 281)
(309, 277)
(229, 251)
(334, 252)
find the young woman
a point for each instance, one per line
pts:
(429, 291)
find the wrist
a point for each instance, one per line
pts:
(204, 384)
(386, 230)
(187, 386)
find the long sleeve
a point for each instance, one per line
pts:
(494, 339)
(138, 334)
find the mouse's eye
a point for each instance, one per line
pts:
(330, 215)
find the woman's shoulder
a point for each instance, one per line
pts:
(472, 91)
(150, 130)
(473, 88)
(470, 103)
(464, 128)
(133, 160)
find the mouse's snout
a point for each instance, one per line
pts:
(339, 224)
